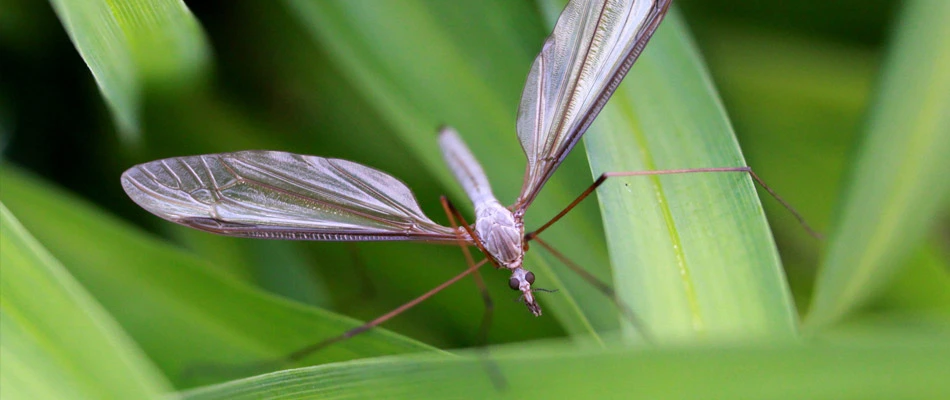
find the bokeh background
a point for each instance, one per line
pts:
(798, 80)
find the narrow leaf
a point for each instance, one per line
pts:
(692, 254)
(897, 184)
(57, 342)
(196, 323)
(131, 46)
(914, 368)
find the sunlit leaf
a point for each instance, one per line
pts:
(692, 253)
(56, 341)
(131, 46)
(913, 369)
(196, 323)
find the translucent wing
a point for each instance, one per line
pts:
(276, 195)
(594, 44)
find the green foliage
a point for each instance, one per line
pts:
(131, 45)
(895, 188)
(913, 369)
(686, 251)
(101, 300)
(57, 342)
(216, 320)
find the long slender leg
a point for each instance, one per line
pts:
(603, 177)
(305, 351)
(473, 268)
(602, 286)
(482, 338)
(232, 371)
(468, 229)
(494, 373)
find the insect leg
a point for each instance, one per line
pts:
(494, 373)
(305, 351)
(600, 285)
(482, 338)
(603, 177)
(232, 371)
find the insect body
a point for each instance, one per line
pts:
(501, 231)
(276, 195)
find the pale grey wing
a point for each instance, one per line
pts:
(594, 44)
(276, 195)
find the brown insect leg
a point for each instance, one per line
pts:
(305, 351)
(602, 286)
(494, 373)
(603, 177)
(482, 338)
(233, 371)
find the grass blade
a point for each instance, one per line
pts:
(914, 369)
(796, 104)
(183, 312)
(692, 254)
(897, 185)
(132, 46)
(56, 341)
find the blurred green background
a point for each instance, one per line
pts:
(811, 88)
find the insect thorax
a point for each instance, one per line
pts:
(499, 232)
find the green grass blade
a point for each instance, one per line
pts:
(799, 102)
(914, 368)
(182, 311)
(692, 254)
(897, 185)
(56, 341)
(796, 104)
(132, 46)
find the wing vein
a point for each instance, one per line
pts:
(270, 194)
(572, 96)
(593, 49)
(377, 194)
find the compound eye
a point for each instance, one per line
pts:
(514, 284)
(529, 277)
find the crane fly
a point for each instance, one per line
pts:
(278, 195)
